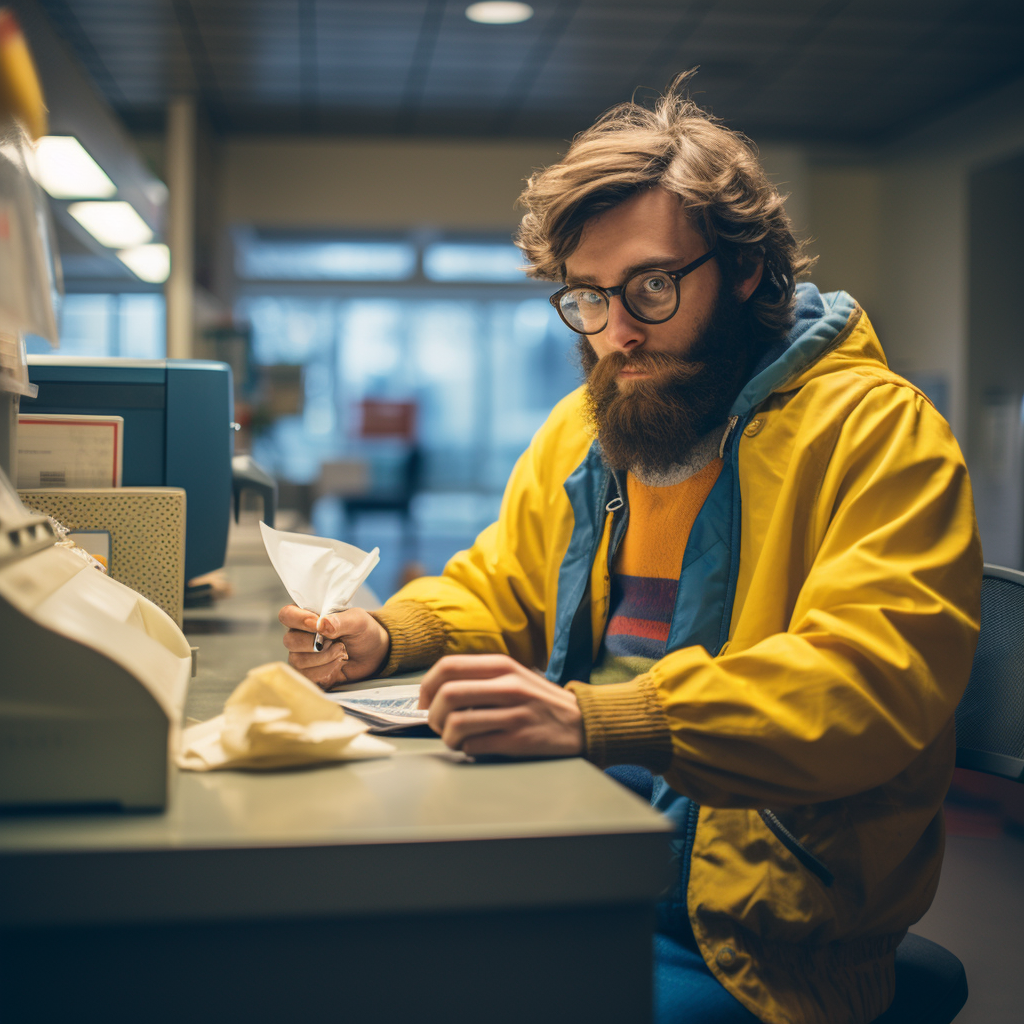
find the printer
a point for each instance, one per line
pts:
(178, 432)
(93, 681)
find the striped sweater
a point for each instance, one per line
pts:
(645, 574)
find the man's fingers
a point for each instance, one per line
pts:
(455, 696)
(297, 618)
(459, 726)
(306, 660)
(323, 675)
(300, 640)
(463, 666)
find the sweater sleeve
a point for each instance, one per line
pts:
(418, 636)
(625, 723)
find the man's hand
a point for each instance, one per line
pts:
(490, 704)
(355, 645)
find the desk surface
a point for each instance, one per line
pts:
(244, 844)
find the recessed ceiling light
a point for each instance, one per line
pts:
(115, 225)
(499, 12)
(150, 262)
(66, 171)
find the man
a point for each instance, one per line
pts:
(745, 555)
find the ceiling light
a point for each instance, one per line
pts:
(115, 225)
(66, 171)
(499, 12)
(150, 262)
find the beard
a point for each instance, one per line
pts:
(650, 424)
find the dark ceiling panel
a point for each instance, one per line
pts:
(812, 70)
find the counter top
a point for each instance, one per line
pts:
(424, 829)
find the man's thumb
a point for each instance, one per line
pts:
(328, 626)
(336, 624)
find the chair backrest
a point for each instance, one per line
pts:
(990, 716)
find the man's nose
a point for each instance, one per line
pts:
(623, 331)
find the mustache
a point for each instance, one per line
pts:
(665, 369)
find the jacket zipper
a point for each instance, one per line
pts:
(692, 814)
(573, 668)
(618, 522)
(730, 426)
(795, 847)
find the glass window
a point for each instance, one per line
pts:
(290, 330)
(142, 327)
(372, 348)
(88, 326)
(131, 325)
(484, 373)
(495, 262)
(263, 260)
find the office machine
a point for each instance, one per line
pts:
(93, 680)
(178, 432)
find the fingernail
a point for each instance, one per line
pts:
(309, 623)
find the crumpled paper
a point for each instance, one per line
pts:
(277, 718)
(320, 574)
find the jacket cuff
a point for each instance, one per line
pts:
(625, 723)
(418, 636)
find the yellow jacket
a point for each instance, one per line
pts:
(828, 611)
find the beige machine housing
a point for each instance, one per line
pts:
(93, 680)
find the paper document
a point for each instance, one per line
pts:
(384, 708)
(320, 574)
(62, 450)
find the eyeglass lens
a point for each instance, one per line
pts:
(651, 294)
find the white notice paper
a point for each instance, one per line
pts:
(61, 450)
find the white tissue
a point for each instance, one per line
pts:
(276, 718)
(320, 574)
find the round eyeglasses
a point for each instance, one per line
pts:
(650, 296)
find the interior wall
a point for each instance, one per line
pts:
(996, 349)
(925, 221)
(378, 184)
(996, 271)
(789, 170)
(845, 229)
(922, 260)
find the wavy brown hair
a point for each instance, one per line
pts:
(681, 148)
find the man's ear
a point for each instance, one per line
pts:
(745, 288)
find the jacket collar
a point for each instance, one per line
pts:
(820, 320)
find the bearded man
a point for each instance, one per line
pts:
(744, 555)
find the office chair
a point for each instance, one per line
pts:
(931, 984)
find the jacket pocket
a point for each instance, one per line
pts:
(795, 847)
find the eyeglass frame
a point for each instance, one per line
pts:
(609, 293)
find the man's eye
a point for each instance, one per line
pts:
(589, 298)
(653, 284)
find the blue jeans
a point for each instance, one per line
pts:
(685, 991)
